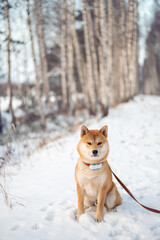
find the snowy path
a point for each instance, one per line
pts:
(46, 186)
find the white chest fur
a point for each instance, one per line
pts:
(91, 186)
(91, 181)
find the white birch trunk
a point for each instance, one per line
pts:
(129, 86)
(43, 120)
(115, 84)
(123, 53)
(63, 55)
(79, 62)
(25, 59)
(71, 82)
(135, 50)
(9, 84)
(90, 81)
(93, 51)
(105, 88)
(99, 49)
(43, 56)
(109, 38)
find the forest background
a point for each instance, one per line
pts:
(75, 58)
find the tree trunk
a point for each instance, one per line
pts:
(1, 124)
(135, 49)
(79, 63)
(43, 56)
(115, 84)
(43, 120)
(110, 44)
(101, 68)
(105, 88)
(123, 53)
(9, 85)
(20, 94)
(90, 82)
(25, 59)
(93, 50)
(40, 67)
(71, 82)
(129, 85)
(63, 54)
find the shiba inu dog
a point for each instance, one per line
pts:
(93, 175)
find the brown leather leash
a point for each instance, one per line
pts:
(127, 190)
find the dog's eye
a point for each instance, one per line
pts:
(89, 143)
(99, 143)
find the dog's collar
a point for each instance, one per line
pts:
(86, 164)
(94, 166)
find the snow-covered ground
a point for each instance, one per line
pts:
(44, 182)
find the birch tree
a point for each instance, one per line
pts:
(63, 54)
(105, 89)
(151, 73)
(129, 84)
(70, 70)
(93, 50)
(9, 85)
(43, 120)
(123, 54)
(101, 68)
(43, 56)
(90, 81)
(115, 84)
(25, 59)
(110, 42)
(79, 61)
(135, 49)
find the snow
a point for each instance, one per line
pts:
(4, 103)
(44, 182)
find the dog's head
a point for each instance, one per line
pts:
(93, 145)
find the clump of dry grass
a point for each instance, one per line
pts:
(5, 195)
(3, 188)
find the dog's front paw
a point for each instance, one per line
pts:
(99, 218)
(77, 216)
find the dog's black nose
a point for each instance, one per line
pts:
(95, 152)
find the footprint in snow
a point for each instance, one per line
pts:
(36, 226)
(44, 209)
(87, 221)
(15, 227)
(49, 216)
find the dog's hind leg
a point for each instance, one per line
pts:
(88, 202)
(113, 198)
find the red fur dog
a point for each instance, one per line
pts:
(92, 173)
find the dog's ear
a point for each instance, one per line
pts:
(84, 130)
(104, 130)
